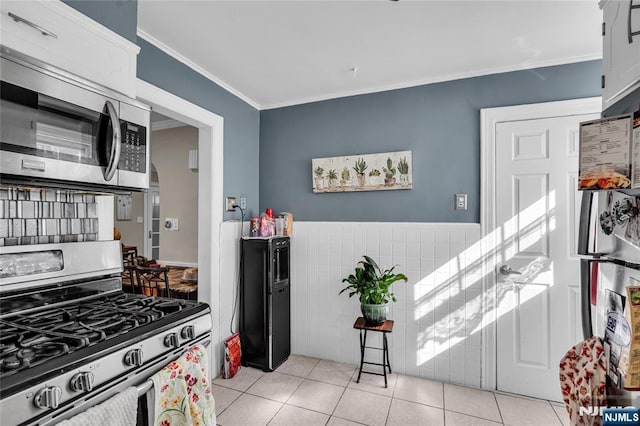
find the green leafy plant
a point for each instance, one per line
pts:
(403, 166)
(332, 174)
(389, 171)
(361, 166)
(318, 171)
(345, 174)
(374, 172)
(371, 283)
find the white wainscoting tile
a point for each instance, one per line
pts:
(439, 305)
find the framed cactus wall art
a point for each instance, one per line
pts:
(366, 172)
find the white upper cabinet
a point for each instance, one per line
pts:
(621, 49)
(59, 35)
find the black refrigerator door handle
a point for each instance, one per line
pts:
(585, 222)
(585, 297)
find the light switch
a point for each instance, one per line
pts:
(461, 202)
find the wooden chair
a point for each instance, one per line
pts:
(129, 279)
(153, 280)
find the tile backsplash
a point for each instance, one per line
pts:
(42, 216)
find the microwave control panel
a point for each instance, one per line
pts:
(133, 156)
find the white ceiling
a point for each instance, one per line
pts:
(278, 53)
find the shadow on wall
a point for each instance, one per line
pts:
(441, 311)
(468, 318)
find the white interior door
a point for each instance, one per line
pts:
(537, 207)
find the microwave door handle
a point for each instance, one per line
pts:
(116, 147)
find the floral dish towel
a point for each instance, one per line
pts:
(182, 393)
(583, 373)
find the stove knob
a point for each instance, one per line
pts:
(171, 340)
(48, 397)
(82, 381)
(133, 358)
(188, 332)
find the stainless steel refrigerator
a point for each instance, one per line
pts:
(265, 302)
(609, 240)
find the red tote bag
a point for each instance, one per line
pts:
(232, 354)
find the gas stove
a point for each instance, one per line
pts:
(68, 344)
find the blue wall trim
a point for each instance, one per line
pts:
(439, 122)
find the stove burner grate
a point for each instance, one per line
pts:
(28, 340)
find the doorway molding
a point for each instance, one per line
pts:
(210, 192)
(489, 120)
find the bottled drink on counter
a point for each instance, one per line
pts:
(288, 223)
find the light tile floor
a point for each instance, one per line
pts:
(308, 391)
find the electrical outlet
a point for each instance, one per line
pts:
(461, 202)
(230, 202)
(243, 202)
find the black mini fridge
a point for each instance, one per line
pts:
(265, 302)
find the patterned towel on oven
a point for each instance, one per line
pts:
(182, 392)
(121, 410)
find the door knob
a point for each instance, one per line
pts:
(506, 270)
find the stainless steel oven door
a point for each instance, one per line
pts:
(139, 378)
(54, 129)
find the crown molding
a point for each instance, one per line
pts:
(369, 90)
(432, 80)
(197, 68)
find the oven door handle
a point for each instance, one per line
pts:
(116, 147)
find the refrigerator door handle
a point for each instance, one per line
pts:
(585, 297)
(585, 222)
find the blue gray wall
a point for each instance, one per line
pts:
(241, 120)
(120, 16)
(439, 123)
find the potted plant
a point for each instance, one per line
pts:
(373, 287)
(318, 179)
(360, 167)
(389, 173)
(346, 177)
(374, 177)
(333, 177)
(403, 169)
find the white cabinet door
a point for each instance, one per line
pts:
(621, 49)
(54, 33)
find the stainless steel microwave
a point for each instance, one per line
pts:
(56, 127)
